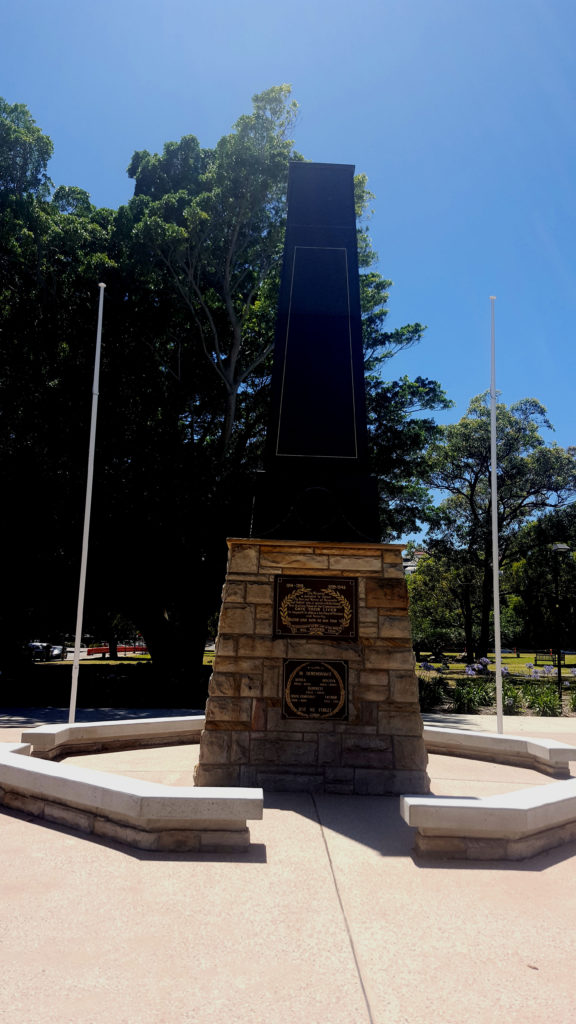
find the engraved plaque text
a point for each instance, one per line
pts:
(316, 606)
(315, 689)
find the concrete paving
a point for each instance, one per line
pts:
(328, 919)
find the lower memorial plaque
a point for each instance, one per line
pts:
(315, 689)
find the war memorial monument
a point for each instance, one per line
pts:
(313, 685)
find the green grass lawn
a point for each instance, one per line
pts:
(517, 665)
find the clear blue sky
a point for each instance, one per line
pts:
(461, 112)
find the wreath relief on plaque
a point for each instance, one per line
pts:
(316, 606)
(315, 689)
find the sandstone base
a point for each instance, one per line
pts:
(247, 742)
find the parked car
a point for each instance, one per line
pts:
(39, 651)
(47, 652)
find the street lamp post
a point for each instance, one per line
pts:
(557, 550)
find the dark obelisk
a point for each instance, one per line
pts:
(317, 482)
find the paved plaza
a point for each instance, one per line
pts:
(328, 919)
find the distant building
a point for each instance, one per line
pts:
(410, 564)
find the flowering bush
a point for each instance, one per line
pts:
(511, 699)
(471, 688)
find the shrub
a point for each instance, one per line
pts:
(511, 699)
(465, 699)
(546, 702)
(485, 692)
(531, 692)
(431, 690)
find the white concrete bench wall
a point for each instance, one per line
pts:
(142, 814)
(549, 756)
(510, 826)
(53, 741)
(519, 834)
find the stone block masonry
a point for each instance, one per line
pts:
(376, 746)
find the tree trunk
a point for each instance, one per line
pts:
(229, 417)
(176, 651)
(485, 607)
(466, 606)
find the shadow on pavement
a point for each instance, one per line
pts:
(29, 717)
(373, 821)
(446, 720)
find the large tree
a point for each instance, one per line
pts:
(24, 153)
(539, 581)
(214, 220)
(49, 261)
(192, 266)
(437, 611)
(532, 476)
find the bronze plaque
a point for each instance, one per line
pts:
(324, 606)
(315, 689)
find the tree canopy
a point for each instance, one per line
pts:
(24, 153)
(532, 478)
(539, 582)
(213, 220)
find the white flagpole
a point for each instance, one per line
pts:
(494, 494)
(87, 509)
